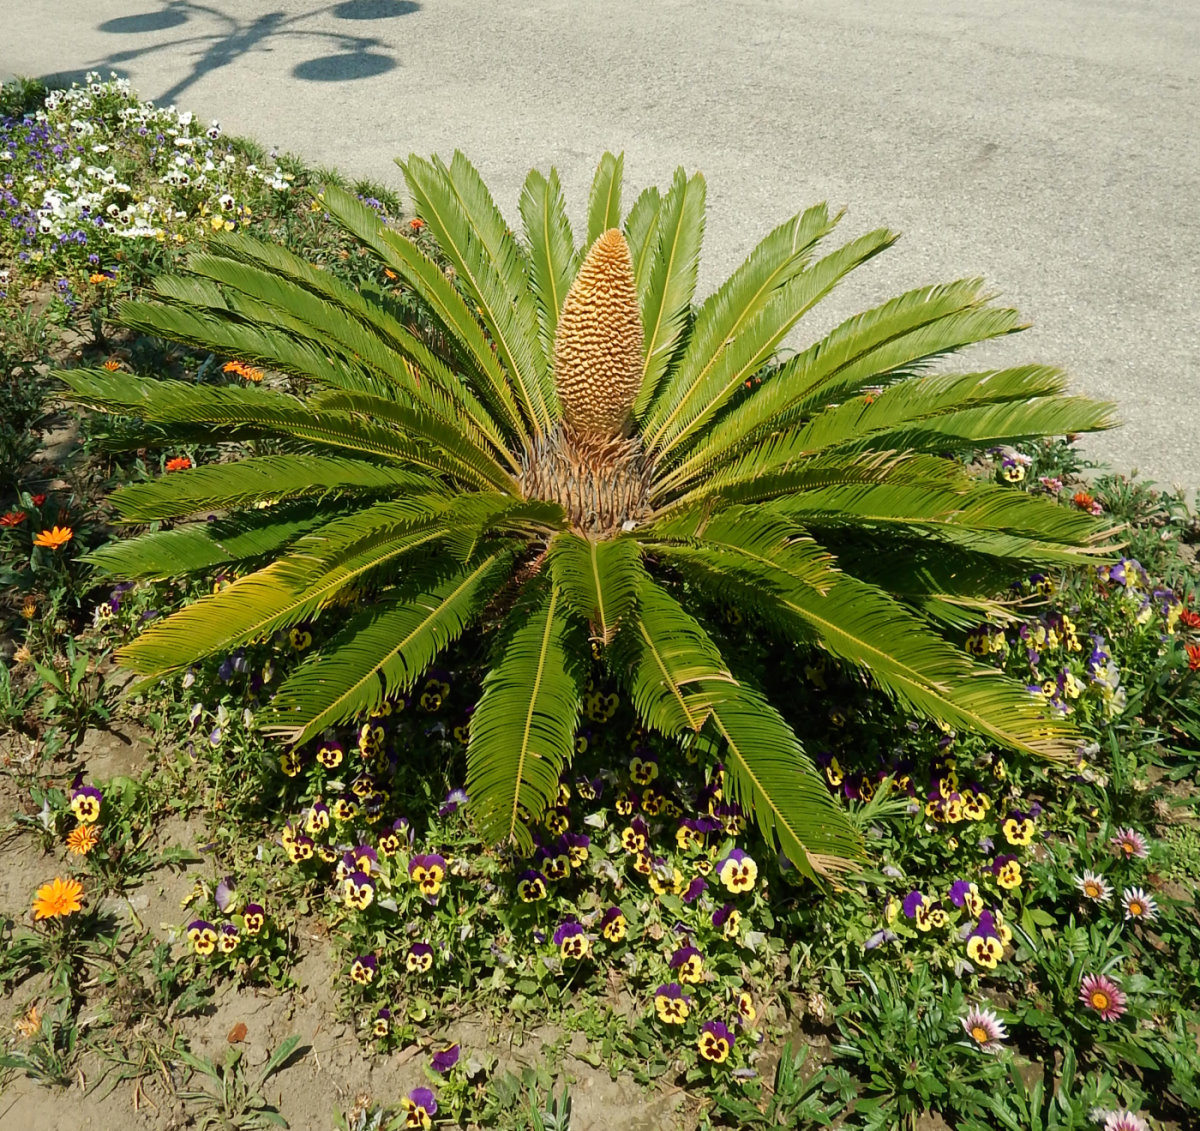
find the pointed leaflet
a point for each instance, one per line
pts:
(641, 233)
(523, 728)
(383, 651)
(604, 203)
(599, 579)
(673, 277)
(551, 250)
(472, 235)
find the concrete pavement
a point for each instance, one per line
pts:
(1049, 145)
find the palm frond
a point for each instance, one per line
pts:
(668, 296)
(551, 244)
(604, 203)
(523, 728)
(260, 479)
(473, 236)
(444, 303)
(381, 652)
(201, 546)
(641, 233)
(598, 579)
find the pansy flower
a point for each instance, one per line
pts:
(419, 959)
(228, 939)
(344, 809)
(1129, 844)
(330, 755)
(589, 789)
(643, 769)
(738, 872)
(327, 853)
(913, 902)
(300, 849)
(382, 1023)
(203, 937)
(624, 803)
(727, 918)
(445, 1059)
(363, 969)
(316, 820)
(370, 740)
(1138, 905)
(634, 838)
(653, 802)
(974, 805)
(688, 963)
(985, 946)
(358, 890)
(572, 941)
(1018, 829)
(290, 763)
(747, 1014)
(613, 924)
(418, 1106)
(671, 1004)
(695, 890)
(427, 872)
(555, 863)
(930, 915)
(388, 844)
(1101, 993)
(577, 848)
(665, 878)
(687, 836)
(557, 821)
(1007, 871)
(254, 918)
(364, 859)
(715, 1042)
(531, 885)
(642, 864)
(85, 804)
(299, 639)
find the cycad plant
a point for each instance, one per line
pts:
(568, 452)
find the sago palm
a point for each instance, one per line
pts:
(567, 451)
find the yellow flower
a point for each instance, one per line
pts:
(1009, 875)
(29, 1025)
(54, 539)
(58, 898)
(81, 840)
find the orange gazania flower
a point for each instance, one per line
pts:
(248, 372)
(100, 277)
(179, 463)
(390, 273)
(112, 365)
(1083, 500)
(31, 1023)
(12, 518)
(416, 223)
(82, 840)
(54, 539)
(58, 898)
(1193, 655)
(1187, 618)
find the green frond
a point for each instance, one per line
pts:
(272, 412)
(446, 306)
(902, 656)
(641, 233)
(382, 651)
(472, 234)
(755, 538)
(523, 728)
(598, 579)
(668, 298)
(604, 203)
(678, 682)
(318, 568)
(260, 479)
(871, 349)
(773, 779)
(201, 546)
(551, 246)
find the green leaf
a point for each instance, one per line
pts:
(604, 204)
(641, 233)
(523, 728)
(552, 259)
(599, 579)
(383, 651)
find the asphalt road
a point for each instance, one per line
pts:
(1052, 146)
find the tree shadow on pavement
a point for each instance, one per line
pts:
(214, 39)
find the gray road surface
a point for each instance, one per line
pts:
(1050, 145)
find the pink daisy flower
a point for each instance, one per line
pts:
(1138, 905)
(1130, 844)
(984, 1028)
(1101, 993)
(1124, 1121)
(1094, 887)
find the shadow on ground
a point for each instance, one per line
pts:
(209, 39)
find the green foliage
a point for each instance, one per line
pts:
(770, 483)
